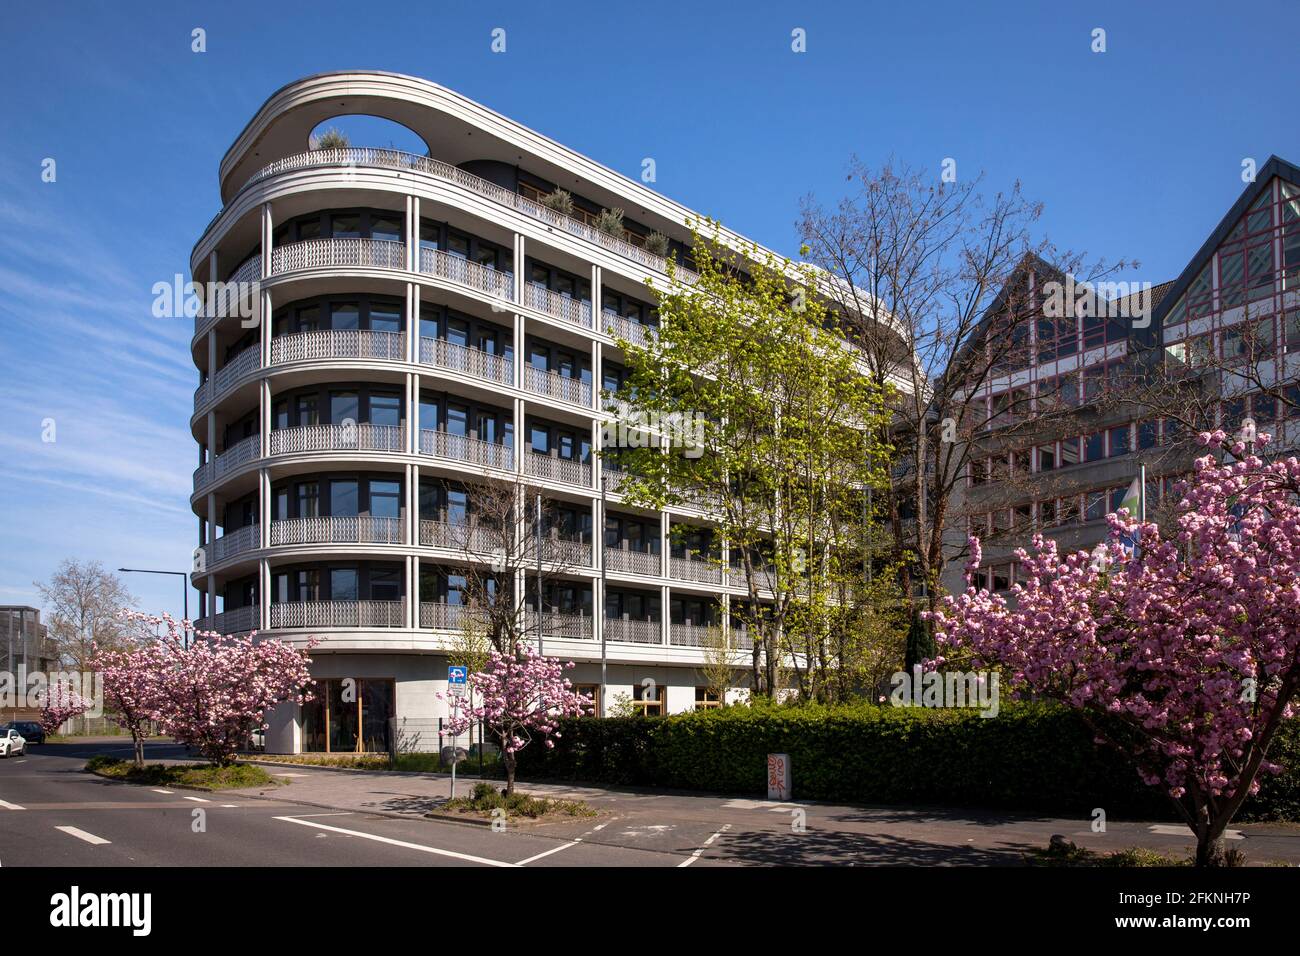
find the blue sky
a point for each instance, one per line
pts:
(1136, 153)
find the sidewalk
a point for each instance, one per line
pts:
(757, 831)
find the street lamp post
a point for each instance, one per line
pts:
(185, 592)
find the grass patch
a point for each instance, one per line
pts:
(410, 762)
(1071, 854)
(195, 776)
(487, 797)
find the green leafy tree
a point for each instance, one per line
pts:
(750, 403)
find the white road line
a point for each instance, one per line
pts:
(168, 792)
(557, 849)
(230, 806)
(198, 799)
(83, 835)
(402, 843)
(6, 805)
(700, 852)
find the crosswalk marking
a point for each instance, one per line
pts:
(83, 835)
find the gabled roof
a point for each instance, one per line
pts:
(1275, 166)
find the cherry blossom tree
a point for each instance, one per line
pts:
(520, 696)
(59, 704)
(1185, 654)
(213, 693)
(133, 676)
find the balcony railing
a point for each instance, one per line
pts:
(624, 328)
(694, 635)
(633, 562)
(243, 451)
(339, 614)
(239, 620)
(577, 311)
(345, 437)
(337, 529)
(472, 362)
(444, 265)
(236, 542)
(342, 253)
(633, 632)
(555, 385)
(338, 344)
(695, 569)
(442, 617)
(410, 162)
(558, 469)
(245, 275)
(560, 625)
(739, 638)
(459, 537)
(461, 448)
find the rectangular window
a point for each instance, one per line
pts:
(308, 499)
(343, 407)
(1148, 435)
(1119, 441)
(1096, 509)
(386, 499)
(345, 315)
(540, 440)
(343, 584)
(706, 699)
(1094, 446)
(1047, 457)
(343, 498)
(385, 410)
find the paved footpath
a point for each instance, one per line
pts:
(52, 813)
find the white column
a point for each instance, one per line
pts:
(267, 233)
(663, 615)
(663, 543)
(413, 413)
(264, 506)
(520, 436)
(596, 279)
(413, 323)
(264, 593)
(264, 417)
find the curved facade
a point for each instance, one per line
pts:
(409, 323)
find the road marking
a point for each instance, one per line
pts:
(1173, 829)
(168, 792)
(230, 806)
(698, 853)
(291, 775)
(198, 799)
(557, 849)
(402, 843)
(83, 835)
(6, 805)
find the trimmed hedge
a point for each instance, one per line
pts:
(1031, 757)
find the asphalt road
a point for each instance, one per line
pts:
(52, 813)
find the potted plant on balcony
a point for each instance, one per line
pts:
(560, 200)
(610, 222)
(657, 244)
(332, 138)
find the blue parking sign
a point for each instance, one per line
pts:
(456, 674)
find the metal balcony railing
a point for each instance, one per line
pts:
(560, 625)
(473, 362)
(338, 344)
(337, 529)
(620, 327)
(243, 279)
(695, 569)
(243, 451)
(462, 448)
(558, 469)
(239, 620)
(309, 614)
(344, 437)
(694, 635)
(235, 542)
(577, 311)
(445, 265)
(633, 632)
(633, 562)
(555, 385)
(338, 253)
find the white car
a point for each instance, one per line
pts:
(12, 743)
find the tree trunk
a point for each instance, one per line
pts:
(138, 743)
(509, 758)
(1209, 849)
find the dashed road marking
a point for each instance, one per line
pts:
(168, 792)
(198, 799)
(83, 835)
(700, 852)
(402, 843)
(6, 805)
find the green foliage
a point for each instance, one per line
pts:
(332, 138)
(610, 222)
(196, 776)
(561, 200)
(920, 643)
(487, 797)
(1031, 757)
(657, 244)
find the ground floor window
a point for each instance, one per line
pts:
(649, 700)
(592, 693)
(706, 699)
(348, 715)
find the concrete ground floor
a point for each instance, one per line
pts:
(402, 698)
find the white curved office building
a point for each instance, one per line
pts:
(419, 320)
